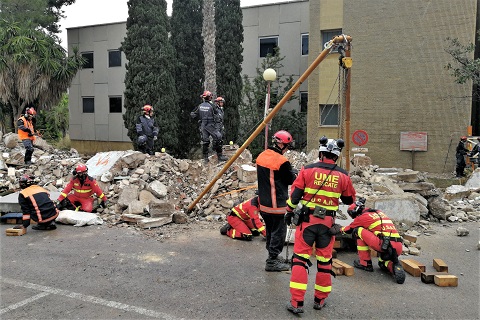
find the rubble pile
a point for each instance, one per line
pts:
(151, 191)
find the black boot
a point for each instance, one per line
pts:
(368, 267)
(221, 157)
(274, 264)
(225, 228)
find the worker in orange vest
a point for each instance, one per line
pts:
(26, 133)
(243, 221)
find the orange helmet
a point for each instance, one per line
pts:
(220, 99)
(147, 108)
(30, 112)
(207, 95)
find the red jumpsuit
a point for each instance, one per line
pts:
(368, 228)
(82, 192)
(319, 184)
(244, 219)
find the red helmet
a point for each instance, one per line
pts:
(30, 112)
(282, 136)
(81, 168)
(464, 138)
(207, 95)
(26, 181)
(220, 99)
(147, 108)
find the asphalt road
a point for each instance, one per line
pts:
(97, 272)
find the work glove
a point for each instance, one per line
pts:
(295, 171)
(155, 138)
(103, 204)
(56, 203)
(335, 229)
(349, 231)
(288, 218)
(30, 134)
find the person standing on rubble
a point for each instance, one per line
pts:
(374, 229)
(461, 151)
(36, 205)
(26, 133)
(206, 114)
(147, 131)
(318, 188)
(220, 112)
(475, 152)
(274, 175)
(83, 187)
(243, 221)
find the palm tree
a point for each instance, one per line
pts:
(34, 69)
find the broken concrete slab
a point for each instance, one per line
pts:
(402, 208)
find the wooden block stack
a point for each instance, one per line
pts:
(15, 232)
(342, 268)
(441, 277)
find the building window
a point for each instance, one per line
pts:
(329, 115)
(303, 101)
(88, 56)
(114, 58)
(304, 44)
(267, 45)
(328, 35)
(88, 104)
(115, 104)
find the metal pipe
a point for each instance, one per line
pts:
(303, 77)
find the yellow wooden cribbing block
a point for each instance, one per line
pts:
(439, 265)
(447, 280)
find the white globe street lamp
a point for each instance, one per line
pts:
(269, 75)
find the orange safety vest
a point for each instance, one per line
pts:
(22, 135)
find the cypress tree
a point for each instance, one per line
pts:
(229, 58)
(186, 37)
(150, 71)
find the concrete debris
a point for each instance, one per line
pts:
(161, 187)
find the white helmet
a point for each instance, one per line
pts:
(331, 145)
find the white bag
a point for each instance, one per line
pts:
(78, 218)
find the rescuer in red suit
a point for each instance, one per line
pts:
(83, 187)
(243, 221)
(373, 229)
(318, 188)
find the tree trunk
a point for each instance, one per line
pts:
(208, 33)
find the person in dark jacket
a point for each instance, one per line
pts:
(461, 151)
(26, 133)
(220, 113)
(274, 175)
(475, 152)
(206, 114)
(36, 204)
(147, 131)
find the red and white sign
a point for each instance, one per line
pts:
(360, 137)
(413, 141)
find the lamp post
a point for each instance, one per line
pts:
(269, 75)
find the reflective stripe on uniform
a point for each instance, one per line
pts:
(312, 205)
(323, 289)
(323, 259)
(321, 192)
(298, 285)
(265, 209)
(82, 191)
(362, 248)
